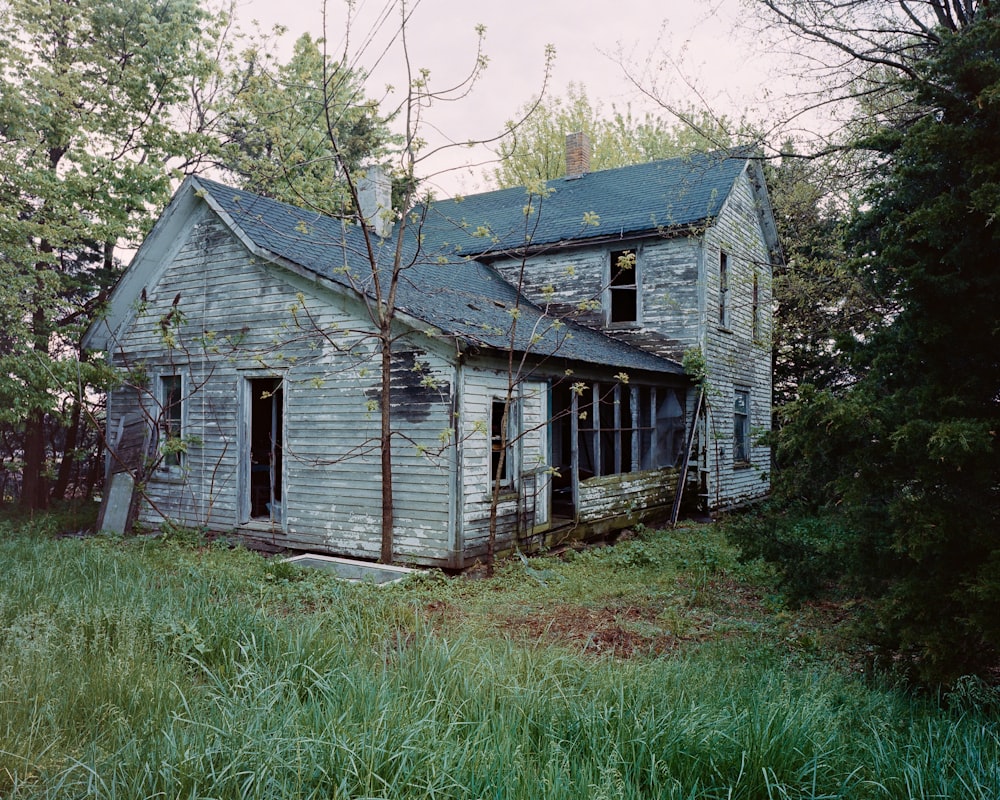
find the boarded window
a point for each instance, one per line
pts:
(171, 421)
(623, 287)
(741, 427)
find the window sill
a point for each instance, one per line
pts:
(724, 329)
(170, 475)
(742, 465)
(623, 326)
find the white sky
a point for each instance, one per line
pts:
(698, 40)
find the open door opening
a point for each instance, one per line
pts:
(562, 430)
(266, 425)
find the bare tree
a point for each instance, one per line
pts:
(380, 286)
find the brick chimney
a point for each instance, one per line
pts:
(577, 154)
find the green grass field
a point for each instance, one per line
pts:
(658, 668)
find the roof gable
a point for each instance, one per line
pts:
(446, 295)
(446, 283)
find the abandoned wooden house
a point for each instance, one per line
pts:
(250, 400)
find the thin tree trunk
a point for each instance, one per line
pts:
(388, 514)
(69, 462)
(33, 493)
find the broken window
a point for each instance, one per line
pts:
(741, 427)
(670, 428)
(723, 289)
(618, 432)
(623, 287)
(501, 451)
(171, 421)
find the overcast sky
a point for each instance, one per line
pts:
(697, 41)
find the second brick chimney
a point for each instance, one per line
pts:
(577, 154)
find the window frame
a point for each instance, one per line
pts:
(614, 291)
(742, 445)
(724, 289)
(622, 428)
(508, 475)
(169, 396)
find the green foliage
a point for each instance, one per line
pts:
(537, 150)
(90, 93)
(293, 128)
(908, 451)
(819, 302)
(695, 365)
(140, 668)
(809, 549)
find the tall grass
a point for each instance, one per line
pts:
(148, 670)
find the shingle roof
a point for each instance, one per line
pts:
(467, 299)
(676, 193)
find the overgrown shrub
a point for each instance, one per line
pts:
(809, 550)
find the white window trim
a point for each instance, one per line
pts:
(608, 291)
(164, 468)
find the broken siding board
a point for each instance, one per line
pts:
(628, 495)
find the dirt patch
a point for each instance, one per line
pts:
(619, 632)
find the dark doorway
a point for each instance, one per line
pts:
(266, 424)
(561, 443)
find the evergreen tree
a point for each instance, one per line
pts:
(929, 476)
(908, 450)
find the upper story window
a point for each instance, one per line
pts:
(623, 288)
(171, 421)
(723, 289)
(755, 308)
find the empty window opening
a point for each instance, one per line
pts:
(266, 425)
(755, 308)
(629, 428)
(724, 289)
(171, 421)
(561, 441)
(623, 287)
(500, 443)
(741, 427)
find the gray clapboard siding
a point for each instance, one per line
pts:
(331, 493)
(734, 358)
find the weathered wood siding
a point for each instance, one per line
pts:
(735, 358)
(239, 322)
(631, 496)
(678, 309)
(525, 506)
(574, 284)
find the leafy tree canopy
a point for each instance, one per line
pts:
(292, 128)
(917, 469)
(88, 94)
(536, 148)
